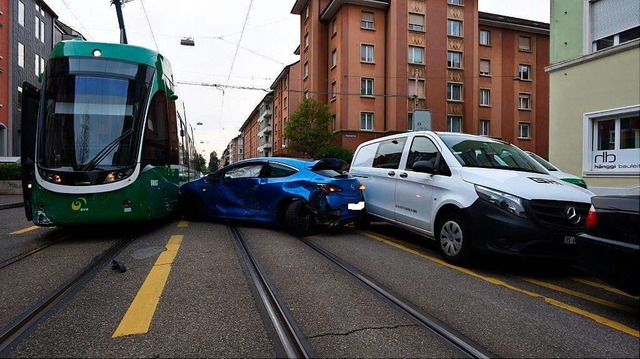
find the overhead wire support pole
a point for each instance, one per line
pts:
(123, 32)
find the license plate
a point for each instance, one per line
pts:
(356, 206)
(569, 240)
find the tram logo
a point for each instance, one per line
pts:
(80, 204)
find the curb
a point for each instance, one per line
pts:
(11, 205)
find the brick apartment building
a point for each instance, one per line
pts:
(375, 61)
(28, 31)
(256, 137)
(286, 99)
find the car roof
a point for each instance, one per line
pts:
(297, 162)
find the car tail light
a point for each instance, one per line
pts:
(362, 187)
(329, 188)
(592, 218)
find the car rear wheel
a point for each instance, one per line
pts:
(299, 218)
(454, 239)
(192, 208)
(363, 221)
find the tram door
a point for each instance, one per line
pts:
(30, 106)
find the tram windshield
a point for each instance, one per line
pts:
(93, 113)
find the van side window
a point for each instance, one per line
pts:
(364, 157)
(422, 149)
(389, 153)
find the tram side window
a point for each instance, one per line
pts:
(156, 146)
(174, 152)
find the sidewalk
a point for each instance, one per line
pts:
(11, 201)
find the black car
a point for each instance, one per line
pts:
(609, 247)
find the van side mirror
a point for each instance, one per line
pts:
(424, 167)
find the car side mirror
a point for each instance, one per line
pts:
(424, 167)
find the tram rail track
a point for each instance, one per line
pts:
(18, 257)
(14, 332)
(290, 337)
(461, 344)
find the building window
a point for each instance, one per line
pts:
(366, 121)
(455, 2)
(37, 65)
(454, 123)
(524, 43)
(454, 59)
(334, 58)
(37, 28)
(42, 64)
(416, 55)
(524, 72)
(613, 142)
(334, 27)
(485, 67)
(524, 101)
(416, 88)
(416, 22)
(306, 12)
(21, 13)
(306, 40)
(284, 102)
(20, 54)
(485, 127)
(334, 123)
(612, 23)
(42, 31)
(524, 130)
(454, 92)
(366, 87)
(367, 20)
(366, 53)
(306, 70)
(410, 122)
(19, 98)
(485, 37)
(454, 28)
(485, 97)
(334, 90)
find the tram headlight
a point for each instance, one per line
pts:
(110, 177)
(57, 179)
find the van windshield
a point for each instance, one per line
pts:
(471, 151)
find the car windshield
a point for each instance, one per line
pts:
(472, 151)
(548, 166)
(92, 113)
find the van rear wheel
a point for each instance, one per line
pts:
(454, 239)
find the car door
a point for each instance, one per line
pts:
(273, 187)
(236, 192)
(414, 190)
(381, 186)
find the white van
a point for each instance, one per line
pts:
(471, 194)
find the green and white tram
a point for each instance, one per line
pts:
(104, 140)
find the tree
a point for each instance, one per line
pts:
(213, 161)
(308, 128)
(202, 162)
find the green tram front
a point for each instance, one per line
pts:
(110, 145)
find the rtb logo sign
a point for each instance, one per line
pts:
(605, 157)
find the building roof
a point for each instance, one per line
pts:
(68, 30)
(256, 109)
(497, 20)
(282, 74)
(334, 5)
(47, 8)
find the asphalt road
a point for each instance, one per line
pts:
(205, 306)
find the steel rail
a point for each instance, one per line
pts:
(455, 340)
(14, 332)
(294, 343)
(29, 253)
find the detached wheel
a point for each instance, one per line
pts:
(454, 239)
(299, 218)
(192, 208)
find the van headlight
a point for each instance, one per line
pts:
(507, 202)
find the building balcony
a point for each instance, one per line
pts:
(265, 147)
(265, 129)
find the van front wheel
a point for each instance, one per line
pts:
(454, 239)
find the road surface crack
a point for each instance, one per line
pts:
(359, 330)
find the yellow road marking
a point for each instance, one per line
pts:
(601, 286)
(580, 295)
(602, 320)
(137, 319)
(25, 230)
(182, 224)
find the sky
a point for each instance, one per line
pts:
(239, 43)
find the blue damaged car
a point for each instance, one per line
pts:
(295, 193)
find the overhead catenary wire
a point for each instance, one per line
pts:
(144, 9)
(78, 20)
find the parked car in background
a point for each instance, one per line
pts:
(610, 245)
(470, 193)
(296, 193)
(556, 172)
